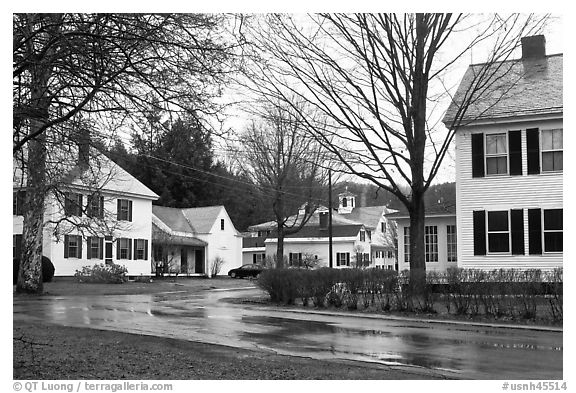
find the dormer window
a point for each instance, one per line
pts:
(344, 202)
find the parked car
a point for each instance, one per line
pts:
(250, 270)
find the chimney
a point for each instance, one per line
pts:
(323, 220)
(533, 47)
(83, 141)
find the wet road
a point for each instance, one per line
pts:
(451, 350)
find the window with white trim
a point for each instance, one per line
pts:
(553, 230)
(498, 231)
(431, 243)
(362, 235)
(124, 210)
(342, 259)
(140, 248)
(451, 246)
(73, 246)
(551, 150)
(94, 247)
(73, 204)
(407, 244)
(259, 258)
(496, 154)
(295, 259)
(124, 248)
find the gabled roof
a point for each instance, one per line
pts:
(337, 219)
(173, 218)
(369, 215)
(191, 220)
(518, 88)
(101, 173)
(202, 218)
(160, 236)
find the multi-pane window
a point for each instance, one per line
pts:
(553, 230)
(431, 243)
(73, 204)
(552, 150)
(259, 258)
(407, 244)
(95, 206)
(295, 259)
(496, 154)
(124, 210)
(94, 247)
(123, 249)
(451, 243)
(342, 259)
(390, 254)
(498, 231)
(140, 249)
(362, 236)
(72, 246)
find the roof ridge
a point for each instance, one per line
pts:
(515, 60)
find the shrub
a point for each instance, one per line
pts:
(555, 293)
(321, 282)
(47, 269)
(216, 266)
(100, 273)
(282, 285)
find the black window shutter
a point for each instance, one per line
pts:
(101, 212)
(479, 224)
(477, 155)
(118, 212)
(80, 204)
(517, 229)
(337, 259)
(79, 240)
(118, 248)
(66, 240)
(89, 247)
(129, 210)
(534, 231)
(101, 248)
(253, 258)
(347, 259)
(18, 242)
(515, 149)
(533, 150)
(130, 248)
(146, 249)
(135, 245)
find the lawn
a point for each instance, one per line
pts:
(43, 351)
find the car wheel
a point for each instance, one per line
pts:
(233, 275)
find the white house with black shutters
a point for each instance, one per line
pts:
(509, 149)
(99, 213)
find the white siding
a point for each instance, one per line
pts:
(502, 193)
(226, 244)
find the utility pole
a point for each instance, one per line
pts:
(330, 256)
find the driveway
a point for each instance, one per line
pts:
(456, 351)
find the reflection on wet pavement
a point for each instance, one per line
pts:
(452, 350)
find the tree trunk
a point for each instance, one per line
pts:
(280, 249)
(30, 273)
(417, 254)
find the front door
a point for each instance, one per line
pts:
(199, 266)
(184, 261)
(108, 250)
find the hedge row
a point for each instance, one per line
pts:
(500, 293)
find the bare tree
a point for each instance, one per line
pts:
(288, 168)
(105, 68)
(380, 80)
